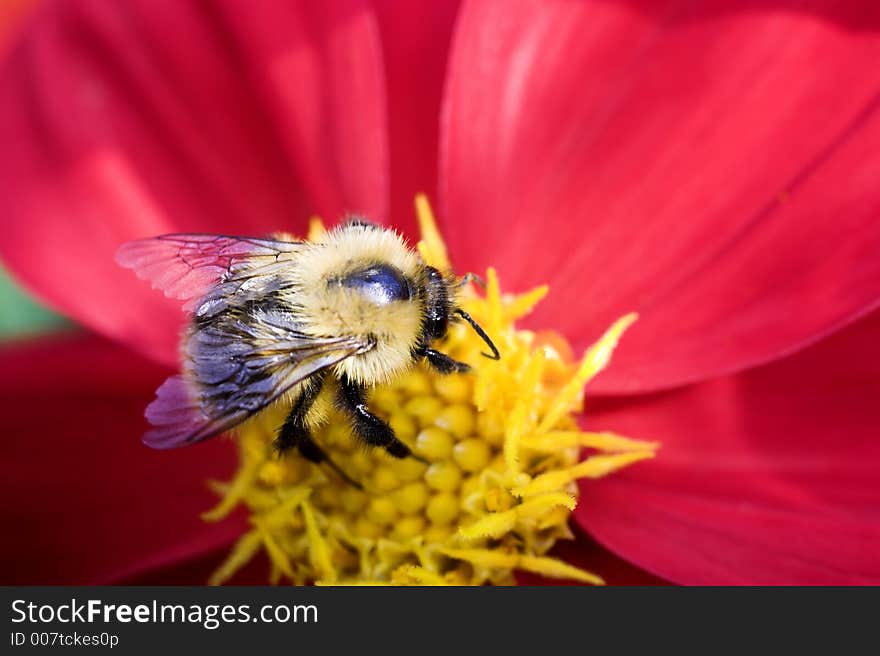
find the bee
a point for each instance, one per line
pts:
(307, 324)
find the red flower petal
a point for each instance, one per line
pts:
(765, 477)
(12, 14)
(83, 500)
(415, 41)
(124, 120)
(198, 569)
(699, 164)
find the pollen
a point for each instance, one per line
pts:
(499, 451)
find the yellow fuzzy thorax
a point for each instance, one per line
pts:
(334, 311)
(504, 448)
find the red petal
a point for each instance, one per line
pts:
(12, 14)
(701, 164)
(415, 41)
(198, 569)
(125, 120)
(765, 477)
(84, 500)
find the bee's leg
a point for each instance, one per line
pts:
(367, 426)
(442, 362)
(295, 434)
(294, 430)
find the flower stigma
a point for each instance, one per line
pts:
(499, 450)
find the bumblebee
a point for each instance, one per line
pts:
(301, 323)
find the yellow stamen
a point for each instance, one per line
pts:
(595, 360)
(316, 229)
(600, 441)
(594, 467)
(522, 304)
(503, 451)
(276, 554)
(319, 554)
(245, 549)
(431, 246)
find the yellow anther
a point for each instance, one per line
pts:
(472, 455)
(384, 479)
(437, 533)
(408, 469)
(403, 425)
(424, 408)
(385, 399)
(442, 508)
(408, 527)
(470, 486)
(498, 499)
(414, 383)
(367, 529)
(434, 443)
(273, 473)
(411, 498)
(329, 497)
(491, 428)
(443, 476)
(353, 500)
(454, 388)
(456, 419)
(360, 463)
(381, 510)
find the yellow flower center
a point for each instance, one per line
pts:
(504, 450)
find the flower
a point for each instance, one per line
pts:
(492, 483)
(680, 161)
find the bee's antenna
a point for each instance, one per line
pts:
(482, 333)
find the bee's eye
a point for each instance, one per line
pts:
(380, 283)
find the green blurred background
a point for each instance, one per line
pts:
(21, 314)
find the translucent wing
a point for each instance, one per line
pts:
(238, 361)
(216, 394)
(203, 268)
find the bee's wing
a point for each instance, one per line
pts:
(241, 385)
(189, 266)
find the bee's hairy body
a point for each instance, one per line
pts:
(298, 325)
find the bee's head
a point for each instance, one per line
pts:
(439, 306)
